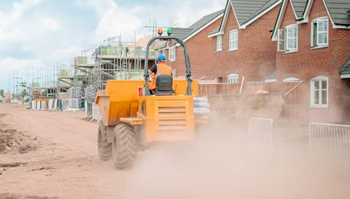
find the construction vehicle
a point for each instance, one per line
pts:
(132, 118)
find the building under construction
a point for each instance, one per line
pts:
(113, 60)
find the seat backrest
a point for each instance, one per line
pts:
(164, 85)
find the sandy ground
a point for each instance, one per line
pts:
(55, 156)
(62, 161)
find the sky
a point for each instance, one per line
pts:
(41, 34)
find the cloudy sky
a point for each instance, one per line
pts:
(44, 33)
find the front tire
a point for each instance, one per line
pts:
(124, 146)
(104, 148)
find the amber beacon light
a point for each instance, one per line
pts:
(160, 31)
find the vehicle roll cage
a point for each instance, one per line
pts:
(187, 61)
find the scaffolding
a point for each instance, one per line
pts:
(89, 72)
(111, 67)
(83, 71)
(119, 62)
(65, 78)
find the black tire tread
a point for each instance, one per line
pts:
(104, 147)
(126, 150)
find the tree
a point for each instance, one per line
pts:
(2, 93)
(24, 93)
(45, 93)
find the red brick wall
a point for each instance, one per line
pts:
(254, 59)
(308, 63)
(289, 16)
(256, 54)
(199, 50)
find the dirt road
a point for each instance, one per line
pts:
(54, 155)
(63, 162)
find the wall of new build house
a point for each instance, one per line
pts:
(200, 50)
(308, 63)
(256, 54)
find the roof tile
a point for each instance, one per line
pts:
(345, 69)
(338, 10)
(246, 10)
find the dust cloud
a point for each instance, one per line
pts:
(222, 163)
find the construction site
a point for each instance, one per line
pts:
(72, 86)
(181, 113)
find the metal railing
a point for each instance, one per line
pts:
(261, 130)
(252, 87)
(332, 140)
(96, 114)
(207, 89)
(70, 105)
(88, 110)
(330, 134)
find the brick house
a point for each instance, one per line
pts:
(313, 44)
(195, 38)
(241, 46)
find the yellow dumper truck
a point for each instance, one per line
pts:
(132, 118)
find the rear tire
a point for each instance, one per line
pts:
(104, 148)
(124, 146)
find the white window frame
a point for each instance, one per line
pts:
(233, 79)
(233, 40)
(288, 38)
(219, 43)
(317, 21)
(280, 40)
(172, 53)
(291, 79)
(319, 79)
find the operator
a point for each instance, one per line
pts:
(160, 68)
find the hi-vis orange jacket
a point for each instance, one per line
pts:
(162, 69)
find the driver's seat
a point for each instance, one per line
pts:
(164, 85)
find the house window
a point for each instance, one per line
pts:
(292, 38)
(319, 32)
(233, 79)
(219, 43)
(288, 39)
(220, 80)
(319, 92)
(280, 45)
(172, 54)
(233, 40)
(291, 80)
